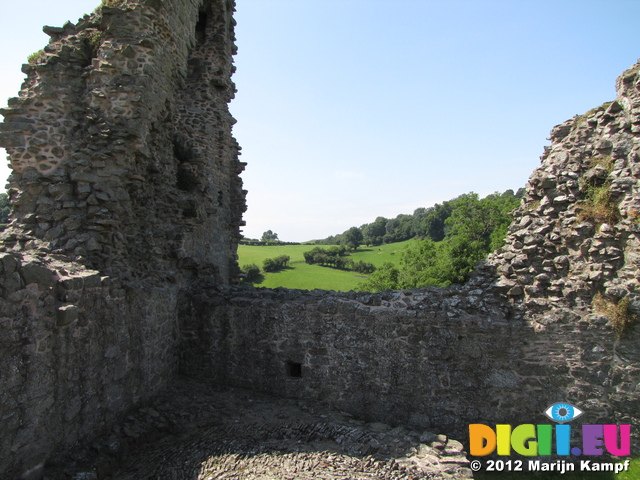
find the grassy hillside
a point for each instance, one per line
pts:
(308, 277)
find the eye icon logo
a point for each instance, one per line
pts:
(563, 412)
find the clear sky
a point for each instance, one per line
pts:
(352, 109)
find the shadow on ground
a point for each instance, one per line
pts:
(200, 431)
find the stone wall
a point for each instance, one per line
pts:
(125, 190)
(577, 232)
(428, 358)
(120, 143)
(77, 349)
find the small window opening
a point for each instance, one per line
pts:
(182, 153)
(190, 213)
(294, 369)
(201, 27)
(186, 180)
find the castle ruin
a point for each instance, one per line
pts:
(118, 270)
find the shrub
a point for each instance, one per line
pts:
(334, 257)
(618, 312)
(275, 264)
(251, 272)
(35, 56)
(94, 38)
(597, 205)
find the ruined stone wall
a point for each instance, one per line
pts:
(577, 232)
(77, 349)
(120, 143)
(429, 358)
(125, 191)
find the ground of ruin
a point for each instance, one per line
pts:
(202, 431)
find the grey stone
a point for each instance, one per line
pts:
(67, 314)
(9, 262)
(33, 272)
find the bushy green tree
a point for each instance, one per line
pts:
(474, 228)
(275, 264)
(5, 208)
(269, 236)
(251, 272)
(478, 218)
(352, 238)
(373, 233)
(385, 277)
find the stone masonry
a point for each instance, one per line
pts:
(431, 359)
(118, 272)
(125, 190)
(562, 249)
(120, 143)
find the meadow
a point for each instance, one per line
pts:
(309, 277)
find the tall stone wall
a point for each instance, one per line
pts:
(77, 349)
(120, 143)
(125, 190)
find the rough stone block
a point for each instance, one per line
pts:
(9, 262)
(67, 314)
(9, 140)
(33, 272)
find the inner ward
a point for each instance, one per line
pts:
(128, 349)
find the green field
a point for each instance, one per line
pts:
(309, 277)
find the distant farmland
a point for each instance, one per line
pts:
(309, 277)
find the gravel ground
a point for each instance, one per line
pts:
(201, 431)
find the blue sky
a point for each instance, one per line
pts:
(351, 109)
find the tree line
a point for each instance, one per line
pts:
(450, 239)
(471, 229)
(428, 223)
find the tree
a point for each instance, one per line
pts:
(373, 233)
(473, 227)
(399, 229)
(251, 272)
(352, 238)
(431, 225)
(5, 208)
(477, 219)
(269, 236)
